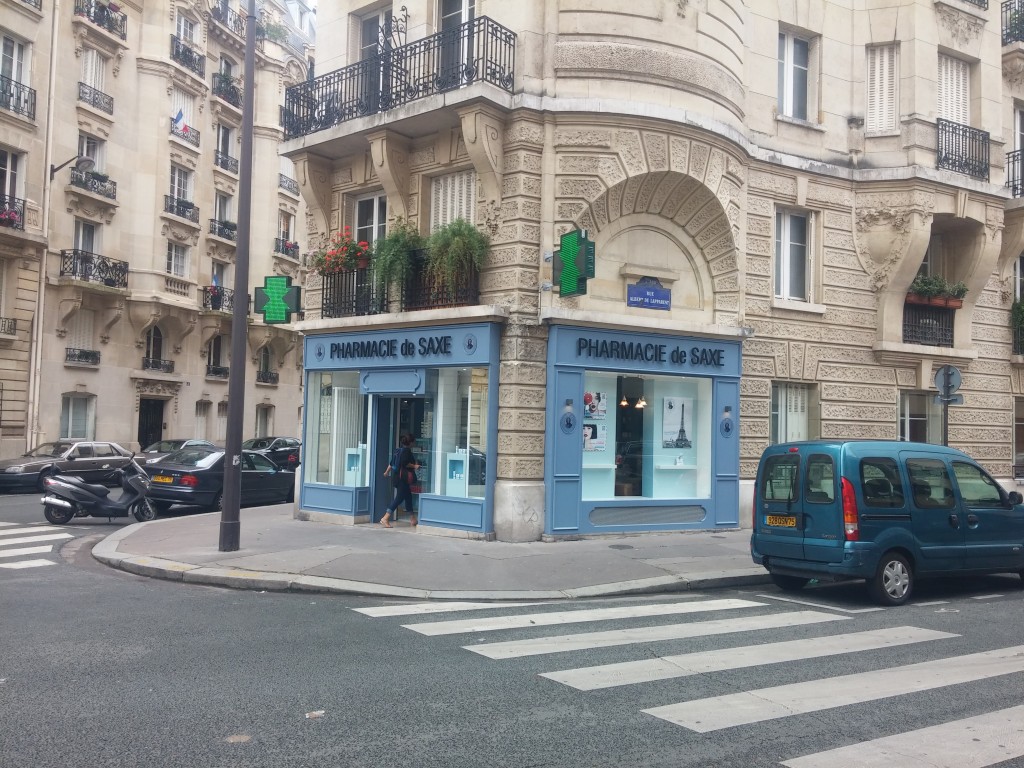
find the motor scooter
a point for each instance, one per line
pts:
(68, 496)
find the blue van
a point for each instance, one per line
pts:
(884, 511)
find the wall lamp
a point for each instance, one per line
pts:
(82, 164)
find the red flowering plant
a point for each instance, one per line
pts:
(341, 253)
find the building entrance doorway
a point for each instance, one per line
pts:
(151, 421)
(397, 416)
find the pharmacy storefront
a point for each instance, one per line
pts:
(366, 389)
(643, 430)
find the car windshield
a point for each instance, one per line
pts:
(50, 449)
(201, 458)
(256, 444)
(164, 446)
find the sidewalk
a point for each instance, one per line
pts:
(279, 552)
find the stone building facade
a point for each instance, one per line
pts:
(785, 175)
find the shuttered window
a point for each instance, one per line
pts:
(80, 330)
(222, 423)
(77, 417)
(94, 67)
(882, 77)
(184, 102)
(452, 197)
(793, 412)
(202, 418)
(954, 90)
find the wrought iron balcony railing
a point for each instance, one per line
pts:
(8, 326)
(962, 149)
(480, 50)
(156, 364)
(94, 98)
(1018, 341)
(983, 4)
(217, 371)
(181, 207)
(37, 4)
(422, 291)
(928, 325)
(87, 356)
(286, 247)
(1013, 21)
(103, 16)
(226, 229)
(226, 87)
(218, 298)
(235, 22)
(98, 184)
(17, 97)
(93, 268)
(186, 133)
(352, 293)
(227, 162)
(267, 377)
(1015, 173)
(287, 184)
(12, 212)
(183, 53)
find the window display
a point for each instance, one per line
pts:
(335, 446)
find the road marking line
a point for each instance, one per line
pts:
(973, 742)
(26, 551)
(33, 529)
(575, 617)
(6, 525)
(986, 597)
(410, 609)
(683, 665)
(820, 605)
(587, 640)
(932, 602)
(34, 539)
(715, 713)
(26, 564)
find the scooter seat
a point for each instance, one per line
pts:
(99, 490)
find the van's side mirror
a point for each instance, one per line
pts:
(1015, 498)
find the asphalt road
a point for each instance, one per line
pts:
(101, 667)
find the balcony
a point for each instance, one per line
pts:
(267, 377)
(94, 98)
(1014, 175)
(93, 268)
(217, 371)
(37, 4)
(156, 364)
(12, 212)
(226, 229)
(422, 291)
(1018, 341)
(8, 326)
(962, 149)
(983, 4)
(928, 325)
(1013, 21)
(17, 98)
(105, 16)
(83, 356)
(352, 293)
(178, 206)
(478, 51)
(230, 20)
(288, 184)
(222, 160)
(185, 132)
(183, 53)
(226, 87)
(97, 183)
(218, 298)
(286, 247)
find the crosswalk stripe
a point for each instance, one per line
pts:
(973, 742)
(34, 539)
(584, 641)
(812, 604)
(30, 529)
(575, 617)
(20, 551)
(7, 525)
(712, 714)
(411, 609)
(26, 564)
(683, 665)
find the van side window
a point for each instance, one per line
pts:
(977, 489)
(930, 484)
(821, 480)
(880, 483)
(779, 480)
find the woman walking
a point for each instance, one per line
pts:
(403, 475)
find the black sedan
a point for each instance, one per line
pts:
(283, 451)
(91, 461)
(195, 476)
(153, 453)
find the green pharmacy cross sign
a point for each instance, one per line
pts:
(574, 263)
(277, 299)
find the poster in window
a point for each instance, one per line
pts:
(595, 437)
(595, 405)
(677, 422)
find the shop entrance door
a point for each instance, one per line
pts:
(151, 418)
(397, 416)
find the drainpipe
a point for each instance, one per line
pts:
(35, 369)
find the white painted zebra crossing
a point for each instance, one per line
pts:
(972, 742)
(13, 535)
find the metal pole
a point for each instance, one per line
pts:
(229, 523)
(947, 375)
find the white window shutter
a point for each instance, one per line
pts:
(453, 196)
(954, 89)
(80, 331)
(881, 88)
(796, 412)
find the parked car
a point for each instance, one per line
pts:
(284, 451)
(156, 451)
(883, 511)
(195, 476)
(89, 460)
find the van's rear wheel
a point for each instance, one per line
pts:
(893, 581)
(789, 583)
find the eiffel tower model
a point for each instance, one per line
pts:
(681, 439)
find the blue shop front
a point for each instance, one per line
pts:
(643, 430)
(366, 389)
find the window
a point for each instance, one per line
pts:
(222, 422)
(821, 480)
(226, 67)
(77, 417)
(94, 69)
(880, 483)
(202, 418)
(264, 420)
(954, 90)
(452, 196)
(183, 103)
(920, 417)
(779, 478)
(930, 485)
(85, 236)
(14, 59)
(1018, 277)
(81, 330)
(264, 359)
(794, 412)
(224, 134)
(181, 183)
(9, 164)
(792, 232)
(456, 12)
(213, 351)
(219, 272)
(154, 343)
(371, 218)
(177, 259)
(91, 147)
(794, 68)
(882, 78)
(285, 225)
(222, 207)
(977, 489)
(186, 28)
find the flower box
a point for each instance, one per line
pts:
(935, 301)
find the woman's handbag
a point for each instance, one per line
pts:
(410, 476)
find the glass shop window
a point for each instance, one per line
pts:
(335, 447)
(458, 459)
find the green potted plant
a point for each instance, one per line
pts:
(393, 253)
(454, 250)
(1017, 326)
(934, 290)
(341, 253)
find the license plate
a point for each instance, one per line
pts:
(781, 521)
(162, 479)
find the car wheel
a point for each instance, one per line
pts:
(57, 515)
(144, 510)
(893, 581)
(789, 583)
(218, 503)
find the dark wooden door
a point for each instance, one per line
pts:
(151, 421)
